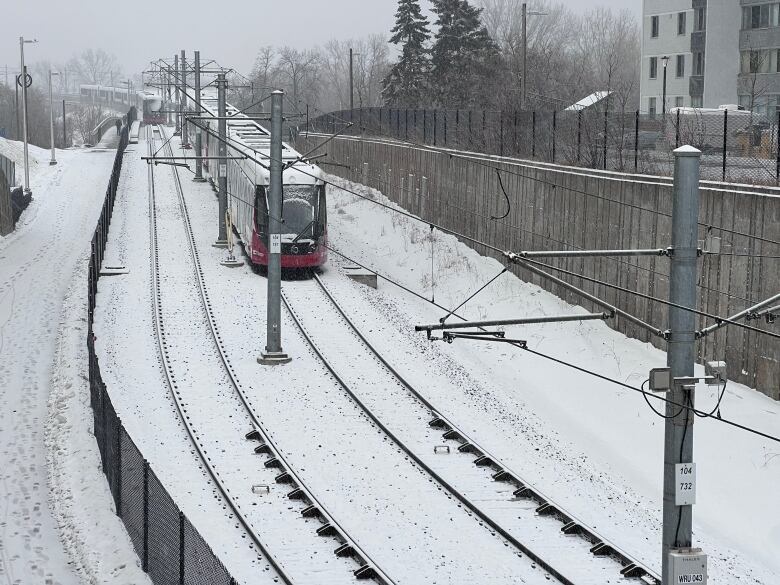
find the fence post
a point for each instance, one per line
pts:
(606, 133)
(777, 146)
(514, 133)
(181, 548)
(533, 134)
(435, 124)
(725, 139)
(406, 124)
(636, 142)
(471, 135)
(554, 125)
(145, 559)
(579, 135)
(445, 127)
(425, 126)
(677, 130)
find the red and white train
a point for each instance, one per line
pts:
(304, 207)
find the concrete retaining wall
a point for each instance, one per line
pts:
(557, 207)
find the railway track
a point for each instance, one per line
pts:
(274, 462)
(508, 505)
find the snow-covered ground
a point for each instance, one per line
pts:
(594, 448)
(56, 520)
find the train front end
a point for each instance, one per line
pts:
(304, 236)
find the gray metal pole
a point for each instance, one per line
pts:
(525, 52)
(222, 163)
(198, 135)
(273, 353)
(24, 119)
(178, 98)
(64, 127)
(351, 82)
(681, 353)
(53, 160)
(185, 135)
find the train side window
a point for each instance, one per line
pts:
(322, 221)
(261, 212)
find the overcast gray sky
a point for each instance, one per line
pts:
(139, 31)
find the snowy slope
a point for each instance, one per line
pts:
(56, 520)
(593, 447)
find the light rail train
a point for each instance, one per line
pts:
(304, 214)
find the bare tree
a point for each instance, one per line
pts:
(370, 65)
(299, 73)
(95, 67)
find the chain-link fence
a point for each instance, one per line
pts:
(171, 550)
(737, 146)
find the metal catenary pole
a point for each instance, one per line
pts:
(273, 354)
(524, 59)
(53, 160)
(222, 163)
(185, 135)
(177, 98)
(681, 356)
(198, 135)
(64, 127)
(24, 118)
(351, 81)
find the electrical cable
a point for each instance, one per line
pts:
(658, 413)
(717, 318)
(508, 203)
(648, 394)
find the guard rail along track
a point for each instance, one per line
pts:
(626, 567)
(347, 547)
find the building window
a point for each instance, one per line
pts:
(697, 101)
(760, 16)
(700, 19)
(653, 67)
(678, 102)
(654, 27)
(651, 107)
(756, 62)
(698, 63)
(681, 23)
(680, 66)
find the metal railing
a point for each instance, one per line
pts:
(171, 550)
(737, 146)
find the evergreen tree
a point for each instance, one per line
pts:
(406, 85)
(464, 57)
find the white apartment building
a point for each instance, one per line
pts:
(700, 39)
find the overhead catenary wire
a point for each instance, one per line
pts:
(517, 344)
(717, 318)
(494, 248)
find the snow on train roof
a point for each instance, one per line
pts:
(257, 139)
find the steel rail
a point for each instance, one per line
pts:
(499, 466)
(343, 536)
(172, 384)
(547, 567)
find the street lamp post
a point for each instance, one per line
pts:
(53, 160)
(23, 75)
(665, 60)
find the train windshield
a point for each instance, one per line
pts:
(299, 212)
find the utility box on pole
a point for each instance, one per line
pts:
(681, 354)
(221, 165)
(273, 354)
(687, 566)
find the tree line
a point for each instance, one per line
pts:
(469, 55)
